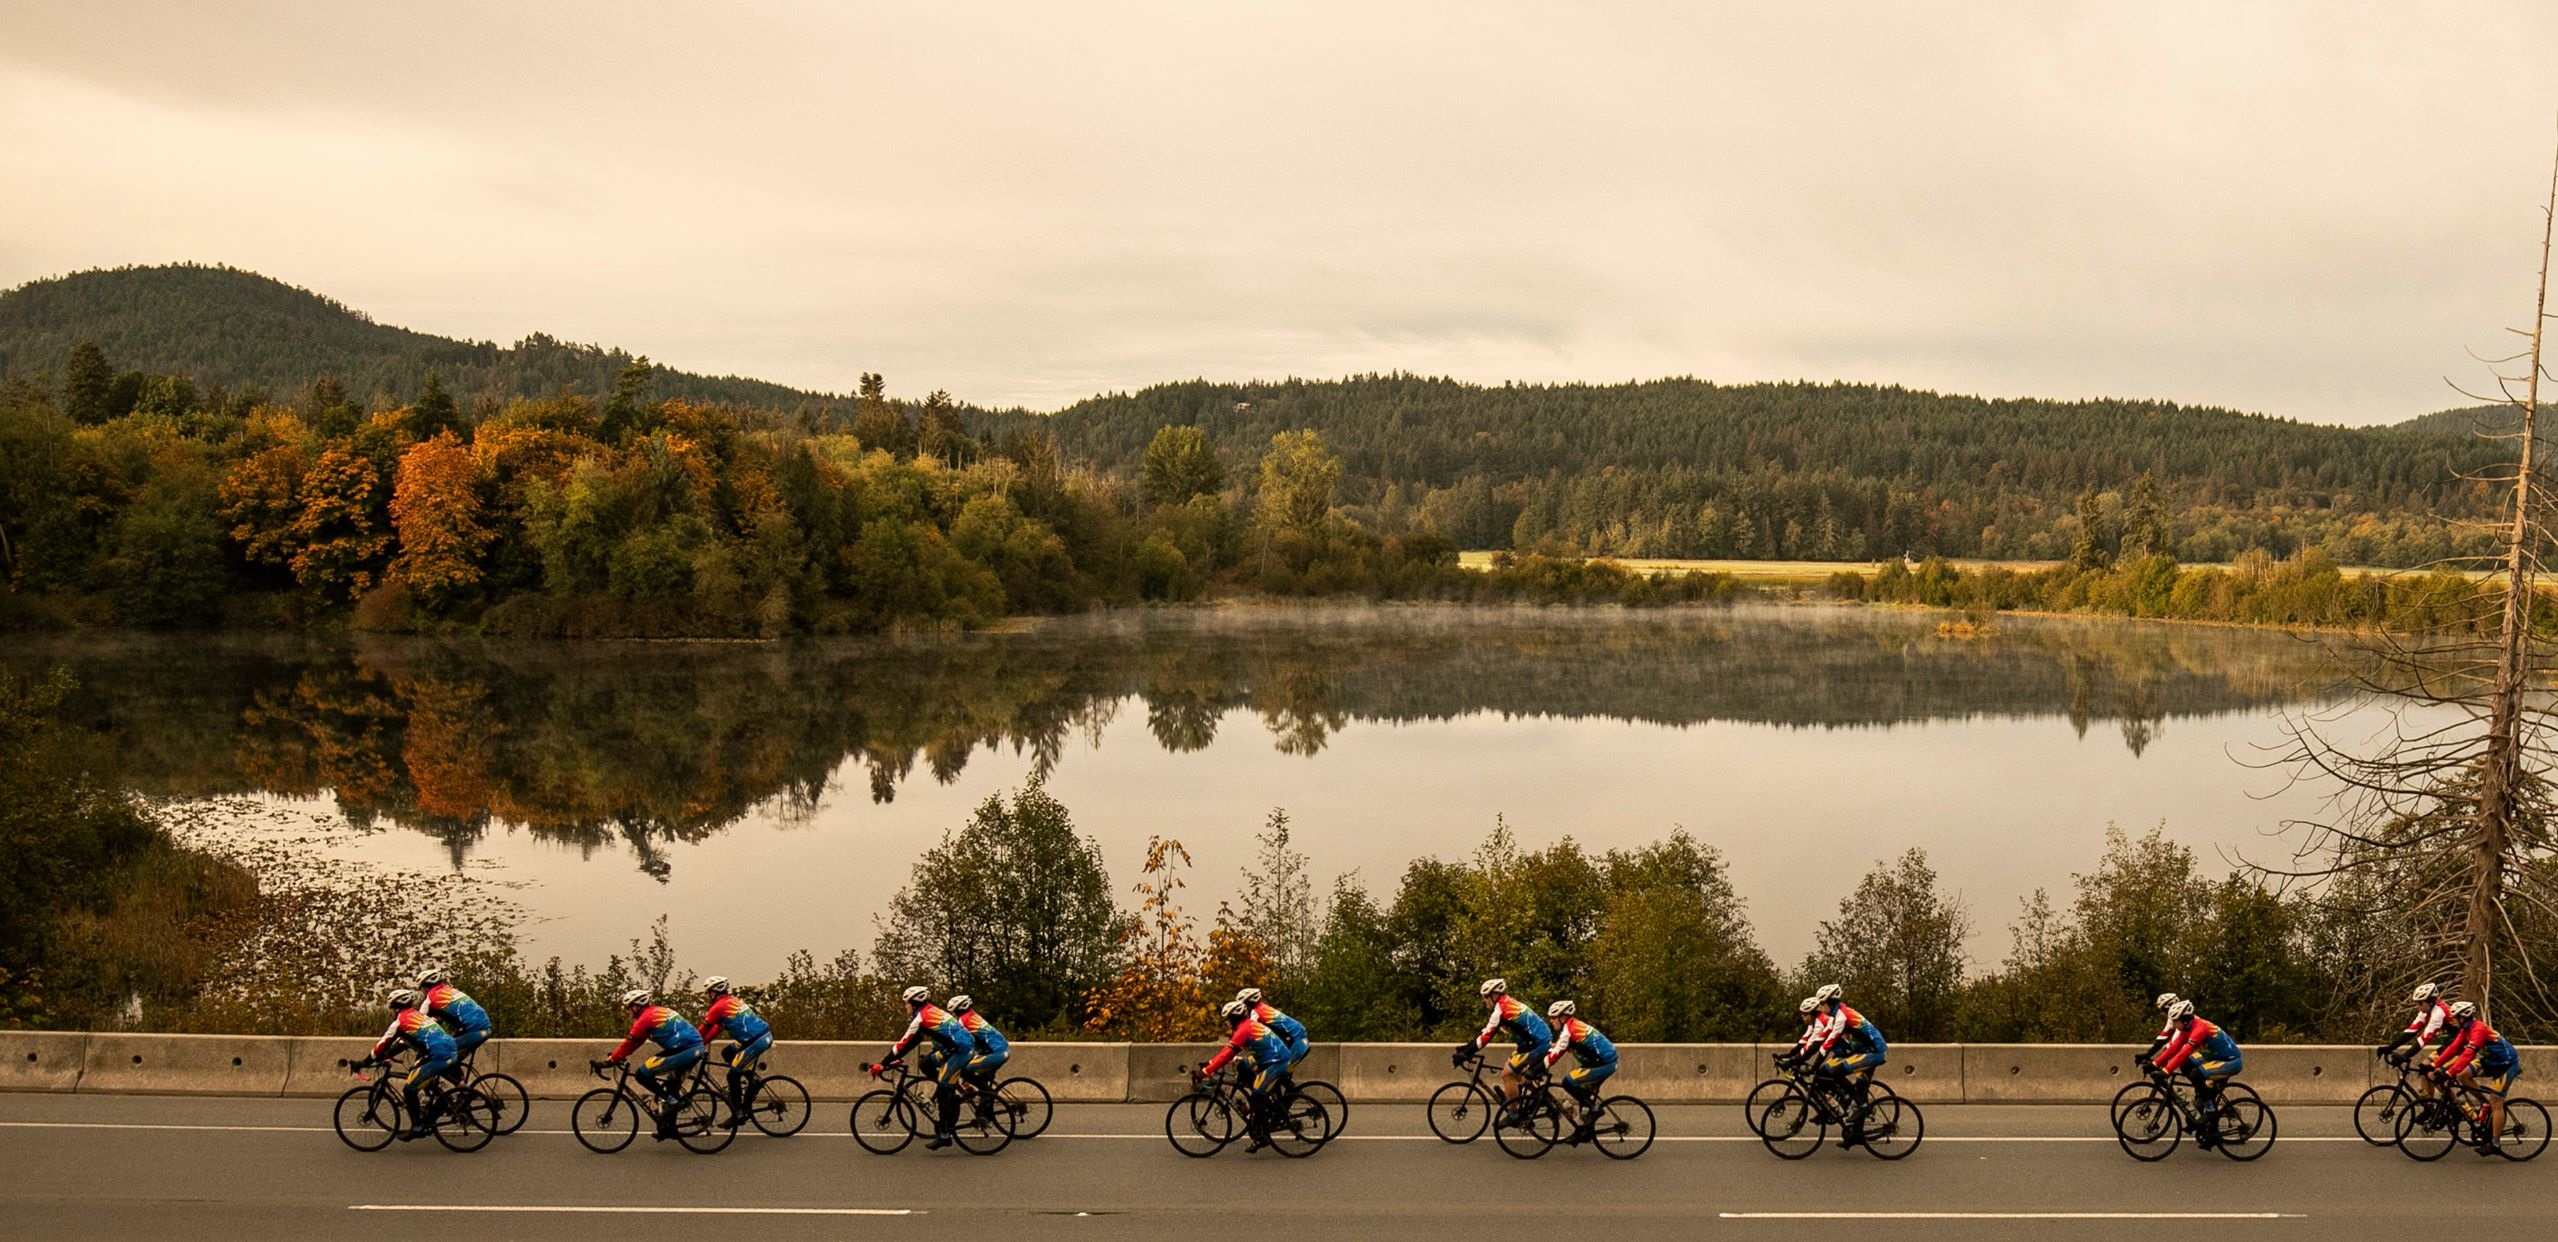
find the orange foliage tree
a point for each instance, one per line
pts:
(338, 536)
(258, 499)
(1171, 988)
(435, 508)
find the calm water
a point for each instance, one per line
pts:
(773, 797)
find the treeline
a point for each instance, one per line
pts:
(634, 515)
(1685, 468)
(2304, 590)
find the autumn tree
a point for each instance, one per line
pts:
(1162, 992)
(337, 536)
(436, 511)
(1179, 465)
(260, 499)
(1298, 476)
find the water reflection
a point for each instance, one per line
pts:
(648, 744)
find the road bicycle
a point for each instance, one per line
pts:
(505, 1094)
(1460, 1111)
(372, 1115)
(776, 1104)
(1545, 1114)
(607, 1118)
(1798, 1120)
(1220, 1109)
(2456, 1115)
(2376, 1113)
(1792, 1072)
(2139, 1089)
(884, 1121)
(2166, 1110)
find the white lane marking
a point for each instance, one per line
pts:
(652, 1211)
(2012, 1215)
(1346, 1138)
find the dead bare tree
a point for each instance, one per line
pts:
(2436, 856)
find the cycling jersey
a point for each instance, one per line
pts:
(1848, 1027)
(415, 1030)
(657, 1024)
(1256, 1043)
(456, 1010)
(2206, 1043)
(934, 1023)
(1290, 1031)
(989, 1041)
(1583, 1041)
(1815, 1029)
(2430, 1021)
(1526, 1029)
(737, 1018)
(2477, 1042)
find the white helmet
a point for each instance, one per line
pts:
(2166, 999)
(634, 998)
(402, 998)
(2424, 992)
(1493, 987)
(961, 1003)
(1561, 1009)
(1249, 996)
(716, 985)
(2462, 1011)
(432, 976)
(1809, 1004)
(1829, 992)
(917, 996)
(2180, 1011)
(1234, 1011)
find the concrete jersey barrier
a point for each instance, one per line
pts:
(1077, 1072)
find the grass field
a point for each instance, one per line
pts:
(1818, 571)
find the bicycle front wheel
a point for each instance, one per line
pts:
(2428, 1129)
(2526, 1130)
(1200, 1124)
(1459, 1111)
(1754, 1108)
(1791, 1125)
(701, 1121)
(779, 1107)
(1532, 1132)
(2376, 1114)
(468, 1121)
(2245, 1128)
(1335, 1108)
(884, 1122)
(2123, 1099)
(1891, 1128)
(604, 1120)
(368, 1118)
(2150, 1126)
(1029, 1105)
(1622, 1127)
(507, 1098)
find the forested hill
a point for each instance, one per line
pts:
(222, 326)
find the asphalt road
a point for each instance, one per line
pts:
(165, 1167)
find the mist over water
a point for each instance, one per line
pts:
(772, 797)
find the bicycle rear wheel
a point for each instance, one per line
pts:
(506, 1098)
(1791, 1125)
(884, 1121)
(1622, 1127)
(984, 1127)
(1532, 1132)
(1029, 1104)
(2376, 1114)
(1459, 1111)
(2244, 1126)
(2150, 1126)
(368, 1118)
(1891, 1128)
(779, 1106)
(701, 1120)
(1335, 1107)
(2526, 1131)
(2428, 1130)
(1300, 1126)
(604, 1120)
(467, 1122)
(1200, 1124)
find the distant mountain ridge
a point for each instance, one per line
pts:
(222, 325)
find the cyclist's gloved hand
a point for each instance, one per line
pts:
(1464, 1053)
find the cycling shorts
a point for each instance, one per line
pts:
(1266, 1078)
(2495, 1082)
(464, 1041)
(669, 1064)
(1524, 1057)
(1853, 1062)
(426, 1068)
(984, 1064)
(2216, 1069)
(743, 1054)
(1585, 1079)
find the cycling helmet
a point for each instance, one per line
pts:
(402, 998)
(433, 976)
(716, 985)
(2166, 999)
(2180, 1011)
(1829, 992)
(634, 998)
(1809, 1004)
(2425, 992)
(1493, 987)
(917, 996)
(2462, 1011)
(1234, 1011)
(961, 1003)
(1561, 1009)
(1249, 996)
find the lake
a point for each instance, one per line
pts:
(769, 797)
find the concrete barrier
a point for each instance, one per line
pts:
(1928, 1073)
(185, 1064)
(318, 1066)
(1158, 1073)
(550, 1069)
(41, 1060)
(2307, 1074)
(2045, 1073)
(1689, 1073)
(1391, 1073)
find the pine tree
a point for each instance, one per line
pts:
(86, 382)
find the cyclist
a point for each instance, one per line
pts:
(2477, 1056)
(2166, 1029)
(2433, 1013)
(987, 1049)
(1290, 1031)
(1263, 1050)
(2207, 1055)
(412, 1028)
(679, 1048)
(730, 1015)
(944, 1062)
(1597, 1057)
(1815, 1025)
(1528, 1031)
(1852, 1048)
(454, 1010)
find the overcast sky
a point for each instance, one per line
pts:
(2305, 209)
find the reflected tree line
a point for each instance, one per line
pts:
(656, 743)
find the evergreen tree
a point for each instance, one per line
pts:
(1179, 465)
(86, 379)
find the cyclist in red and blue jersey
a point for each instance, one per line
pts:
(944, 1062)
(987, 1050)
(2208, 1057)
(730, 1015)
(454, 1009)
(1264, 1052)
(679, 1048)
(1852, 1048)
(2476, 1055)
(1597, 1057)
(412, 1029)
(1528, 1033)
(1290, 1031)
